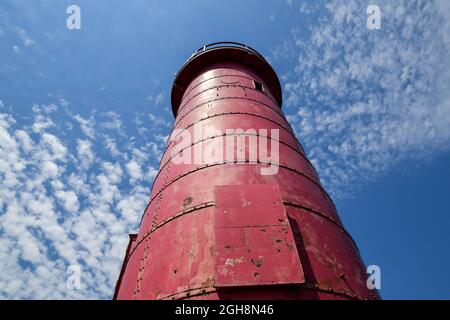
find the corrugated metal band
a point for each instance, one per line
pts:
(190, 293)
(208, 204)
(180, 117)
(286, 128)
(321, 214)
(169, 142)
(158, 194)
(224, 86)
(195, 292)
(211, 203)
(162, 166)
(246, 162)
(221, 76)
(173, 217)
(232, 113)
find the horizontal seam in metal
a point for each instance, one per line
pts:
(215, 77)
(254, 226)
(321, 214)
(289, 129)
(321, 289)
(171, 218)
(231, 113)
(310, 287)
(210, 204)
(228, 98)
(234, 134)
(236, 162)
(226, 86)
(188, 290)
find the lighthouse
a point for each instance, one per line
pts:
(237, 211)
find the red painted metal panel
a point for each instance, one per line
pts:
(237, 106)
(223, 74)
(124, 273)
(179, 257)
(254, 244)
(332, 255)
(237, 121)
(304, 192)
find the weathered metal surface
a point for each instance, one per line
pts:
(189, 248)
(254, 244)
(125, 283)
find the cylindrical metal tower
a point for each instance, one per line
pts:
(237, 211)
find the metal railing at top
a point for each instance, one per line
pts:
(225, 44)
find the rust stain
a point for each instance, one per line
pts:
(187, 201)
(208, 282)
(258, 262)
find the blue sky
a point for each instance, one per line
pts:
(84, 115)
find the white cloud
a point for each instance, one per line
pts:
(68, 199)
(113, 123)
(85, 153)
(27, 41)
(57, 150)
(362, 100)
(158, 121)
(113, 171)
(134, 170)
(42, 123)
(87, 125)
(49, 169)
(57, 209)
(63, 102)
(157, 100)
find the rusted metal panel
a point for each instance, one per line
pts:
(220, 90)
(180, 256)
(127, 281)
(331, 253)
(223, 73)
(296, 160)
(122, 283)
(218, 107)
(239, 121)
(305, 191)
(253, 240)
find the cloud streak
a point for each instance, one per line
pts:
(363, 100)
(68, 200)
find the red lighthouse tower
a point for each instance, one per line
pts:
(237, 211)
